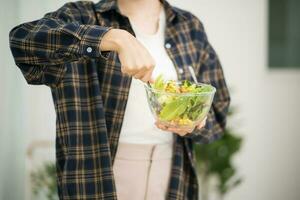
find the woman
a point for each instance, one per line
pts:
(107, 146)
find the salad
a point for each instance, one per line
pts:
(179, 104)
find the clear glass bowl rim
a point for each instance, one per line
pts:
(183, 94)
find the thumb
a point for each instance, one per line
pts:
(202, 123)
(151, 80)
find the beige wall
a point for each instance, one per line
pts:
(266, 99)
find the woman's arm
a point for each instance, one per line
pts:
(42, 47)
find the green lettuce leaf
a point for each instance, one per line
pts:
(159, 83)
(173, 109)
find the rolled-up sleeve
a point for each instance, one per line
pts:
(41, 48)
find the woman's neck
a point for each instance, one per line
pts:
(139, 7)
(144, 14)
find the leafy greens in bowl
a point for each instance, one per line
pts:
(179, 104)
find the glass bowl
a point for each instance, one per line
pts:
(180, 110)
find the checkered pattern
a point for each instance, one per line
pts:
(61, 50)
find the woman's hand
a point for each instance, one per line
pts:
(135, 59)
(180, 131)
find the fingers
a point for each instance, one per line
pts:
(202, 123)
(145, 68)
(144, 75)
(139, 74)
(138, 71)
(136, 61)
(161, 126)
(147, 77)
(179, 131)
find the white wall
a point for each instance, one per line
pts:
(11, 113)
(266, 99)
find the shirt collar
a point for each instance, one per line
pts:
(171, 12)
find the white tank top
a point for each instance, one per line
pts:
(138, 124)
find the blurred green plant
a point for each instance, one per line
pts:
(44, 181)
(215, 161)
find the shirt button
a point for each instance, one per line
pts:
(89, 49)
(180, 70)
(168, 45)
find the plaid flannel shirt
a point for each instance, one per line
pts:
(61, 50)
